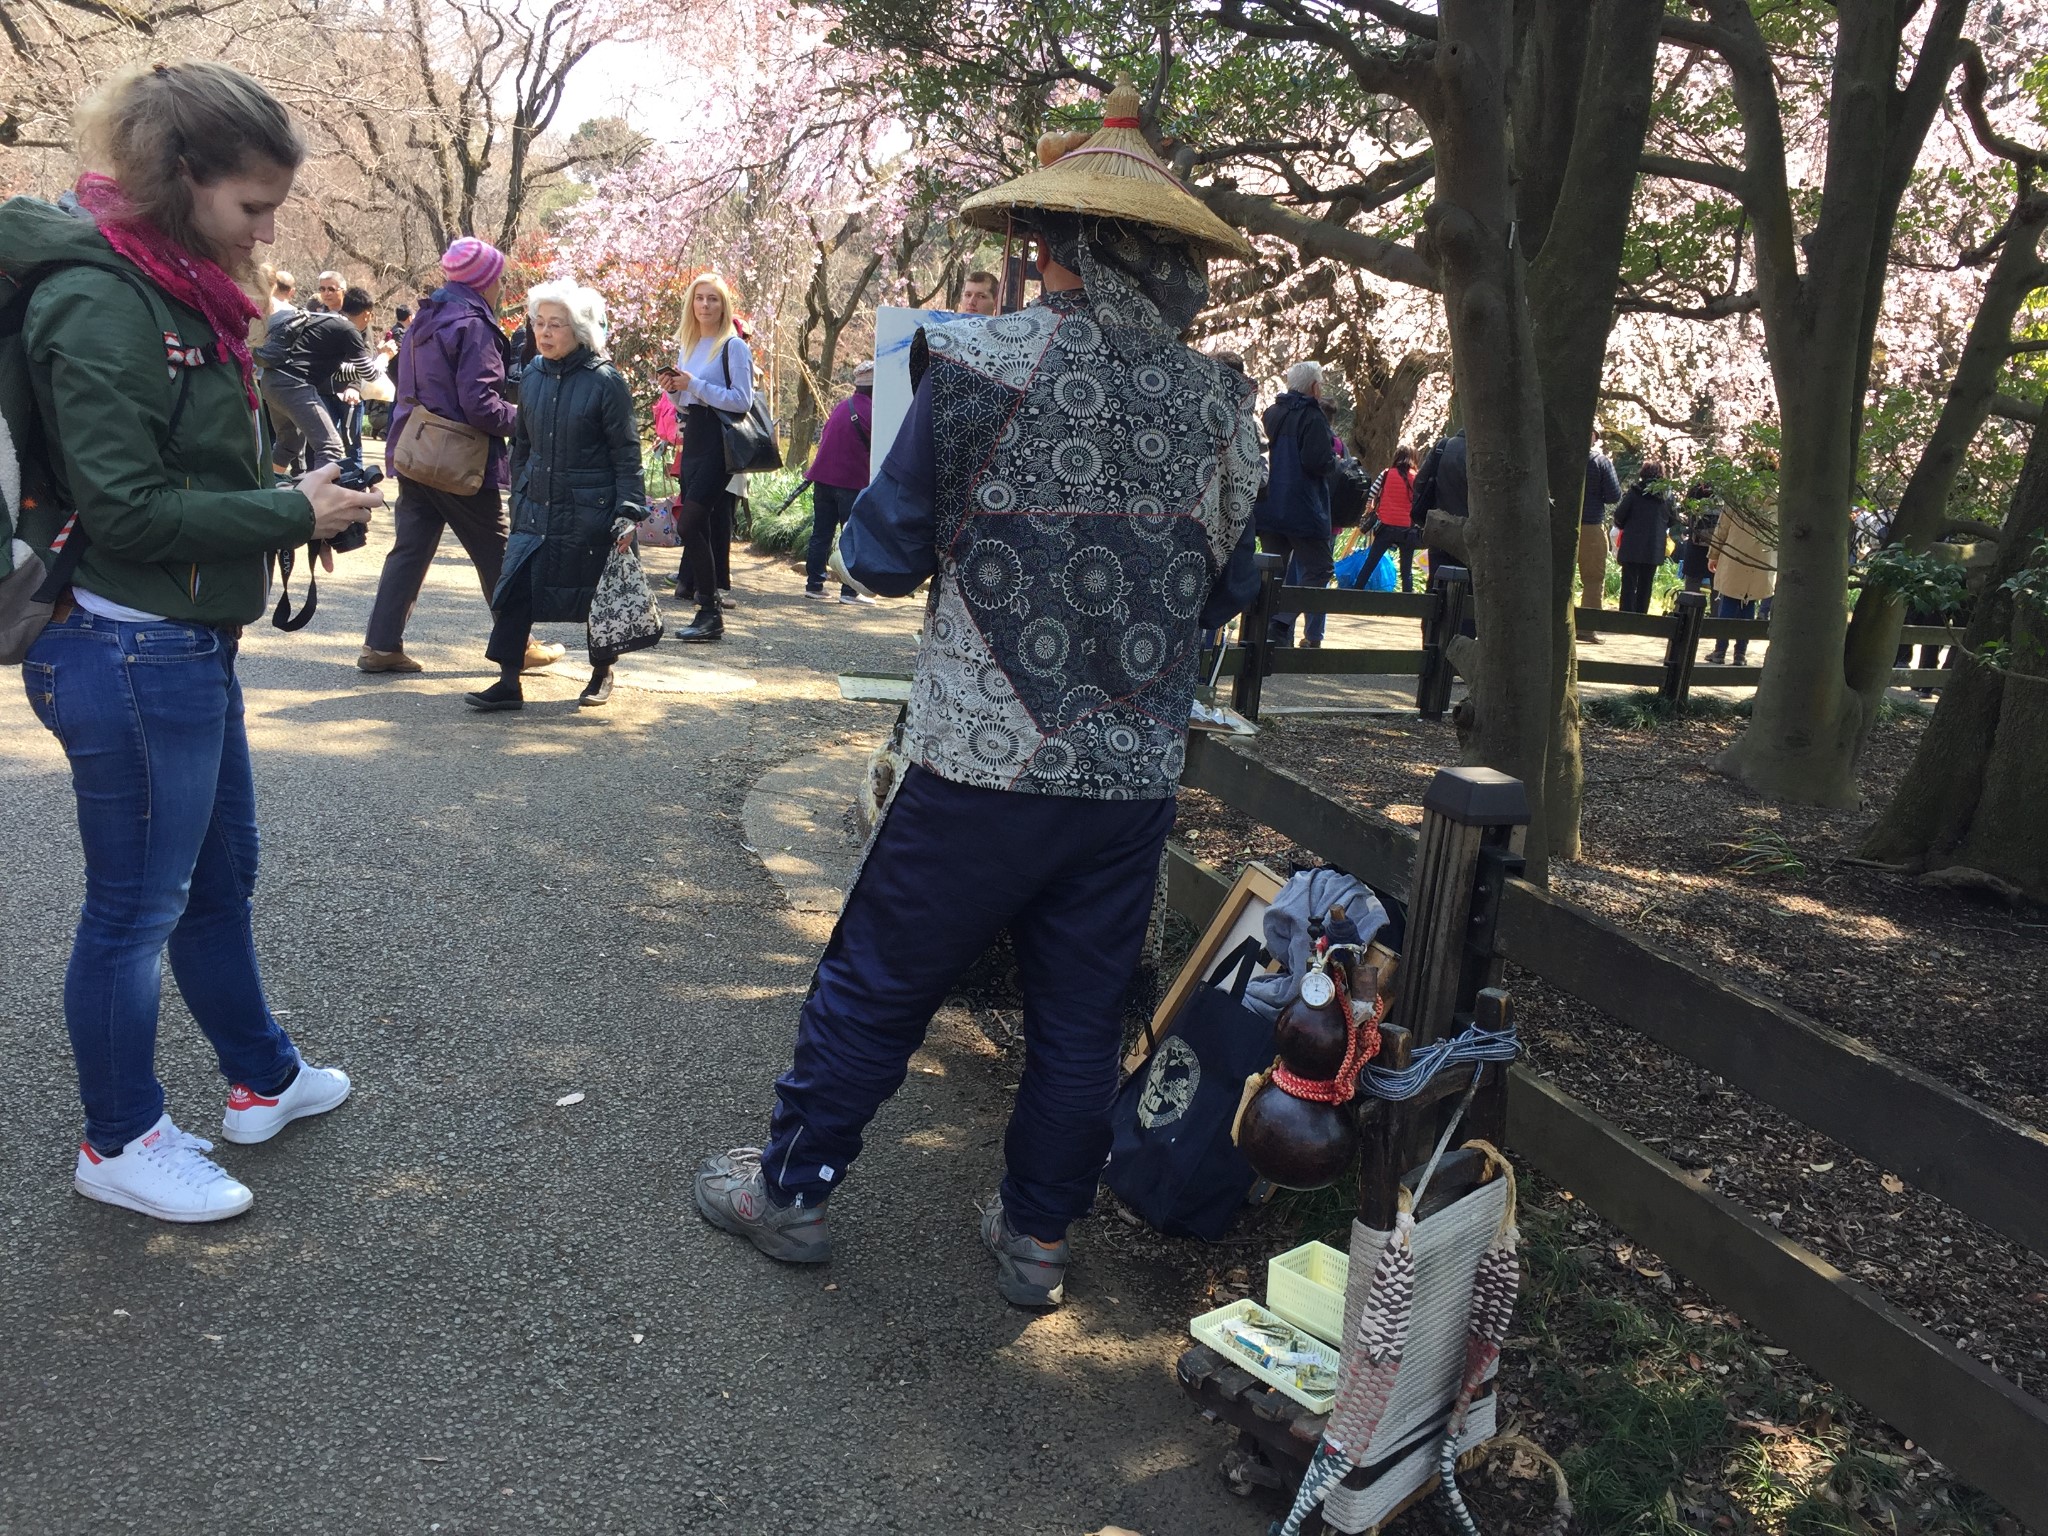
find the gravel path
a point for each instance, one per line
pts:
(461, 1307)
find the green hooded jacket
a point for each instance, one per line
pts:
(180, 528)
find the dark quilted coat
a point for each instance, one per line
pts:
(575, 468)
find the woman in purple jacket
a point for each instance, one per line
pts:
(454, 362)
(838, 473)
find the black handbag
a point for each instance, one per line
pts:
(750, 446)
(1171, 1158)
(1350, 485)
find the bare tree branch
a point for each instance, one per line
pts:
(1699, 34)
(1415, 23)
(1718, 307)
(1727, 177)
(1976, 82)
(1321, 237)
(1657, 417)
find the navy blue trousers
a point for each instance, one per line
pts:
(951, 868)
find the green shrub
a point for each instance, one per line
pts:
(772, 527)
(1643, 710)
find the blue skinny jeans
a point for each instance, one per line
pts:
(150, 716)
(831, 505)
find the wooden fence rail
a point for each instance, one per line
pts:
(1981, 1425)
(1254, 660)
(1987, 1165)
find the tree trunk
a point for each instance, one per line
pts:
(1923, 506)
(1377, 422)
(1801, 742)
(1819, 323)
(1493, 366)
(1571, 286)
(1972, 801)
(826, 321)
(803, 417)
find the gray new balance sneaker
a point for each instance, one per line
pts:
(1027, 1274)
(732, 1193)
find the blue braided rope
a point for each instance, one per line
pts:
(1475, 1044)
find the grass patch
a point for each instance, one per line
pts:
(1890, 710)
(1645, 710)
(1811, 1484)
(1762, 851)
(1672, 1419)
(1642, 1387)
(771, 527)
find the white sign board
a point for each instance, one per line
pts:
(895, 328)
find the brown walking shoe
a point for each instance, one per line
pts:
(386, 661)
(539, 656)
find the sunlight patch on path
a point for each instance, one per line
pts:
(797, 823)
(657, 673)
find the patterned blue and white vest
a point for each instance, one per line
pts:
(1086, 503)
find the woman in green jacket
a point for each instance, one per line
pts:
(136, 339)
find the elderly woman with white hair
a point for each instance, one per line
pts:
(575, 471)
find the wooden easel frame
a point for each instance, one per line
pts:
(1245, 905)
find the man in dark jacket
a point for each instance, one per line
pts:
(1642, 523)
(452, 362)
(302, 352)
(1294, 510)
(1440, 483)
(1077, 485)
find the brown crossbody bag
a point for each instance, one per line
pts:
(442, 454)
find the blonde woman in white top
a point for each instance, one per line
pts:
(714, 373)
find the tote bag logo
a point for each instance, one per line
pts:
(1170, 1084)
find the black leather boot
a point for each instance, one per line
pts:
(707, 626)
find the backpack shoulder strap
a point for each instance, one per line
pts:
(154, 300)
(73, 536)
(1239, 965)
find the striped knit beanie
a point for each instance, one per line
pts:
(474, 263)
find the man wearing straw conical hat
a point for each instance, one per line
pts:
(1077, 484)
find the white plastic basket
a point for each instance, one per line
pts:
(1209, 1329)
(1305, 1286)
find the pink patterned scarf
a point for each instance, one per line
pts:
(192, 280)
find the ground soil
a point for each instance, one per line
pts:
(1954, 984)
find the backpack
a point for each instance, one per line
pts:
(278, 341)
(1172, 1160)
(40, 540)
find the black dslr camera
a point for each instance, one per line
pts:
(354, 477)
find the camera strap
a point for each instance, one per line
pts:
(282, 615)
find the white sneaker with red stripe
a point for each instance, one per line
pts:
(163, 1173)
(252, 1118)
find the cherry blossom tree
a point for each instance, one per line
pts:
(802, 187)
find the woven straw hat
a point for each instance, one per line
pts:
(1112, 175)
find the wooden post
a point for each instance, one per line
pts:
(1451, 588)
(1384, 1129)
(1487, 1119)
(1465, 812)
(1472, 823)
(1254, 635)
(1689, 611)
